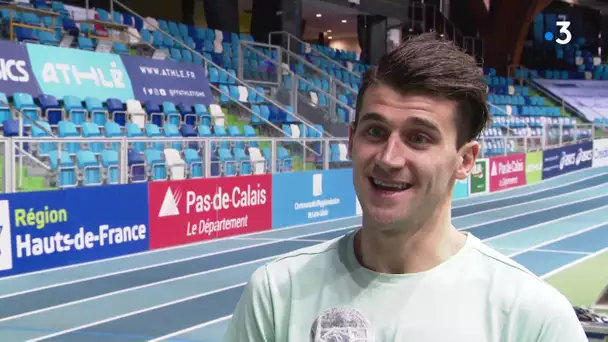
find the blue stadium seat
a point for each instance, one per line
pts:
(5, 110)
(243, 161)
(25, 103)
(134, 131)
(137, 166)
(97, 111)
(65, 168)
(153, 131)
(91, 130)
(156, 164)
(41, 131)
(171, 131)
(68, 130)
(75, 110)
(194, 162)
(109, 162)
(227, 162)
(89, 168)
(116, 109)
(51, 108)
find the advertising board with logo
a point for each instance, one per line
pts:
(60, 72)
(42, 230)
(16, 74)
(507, 171)
(312, 196)
(166, 80)
(194, 210)
(461, 189)
(479, 181)
(600, 152)
(559, 161)
(534, 167)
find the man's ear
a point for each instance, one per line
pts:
(351, 135)
(467, 157)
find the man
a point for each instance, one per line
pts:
(407, 274)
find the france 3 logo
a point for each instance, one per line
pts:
(564, 35)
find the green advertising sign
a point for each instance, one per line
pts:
(534, 167)
(479, 177)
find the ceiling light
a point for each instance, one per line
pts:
(328, 31)
(330, 37)
(318, 15)
(343, 21)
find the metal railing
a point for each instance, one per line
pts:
(291, 43)
(154, 159)
(298, 87)
(207, 63)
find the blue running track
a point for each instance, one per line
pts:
(188, 293)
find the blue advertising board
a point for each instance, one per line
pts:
(461, 189)
(42, 230)
(16, 74)
(166, 80)
(312, 196)
(63, 71)
(559, 161)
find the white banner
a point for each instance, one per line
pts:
(600, 152)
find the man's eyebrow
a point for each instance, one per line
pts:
(424, 122)
(372, 117)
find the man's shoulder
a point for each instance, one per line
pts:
(316, 257)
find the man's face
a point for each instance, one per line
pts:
(405, 157)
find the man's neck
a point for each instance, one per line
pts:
(409, 251)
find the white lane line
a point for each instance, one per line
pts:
(194, 327)
(181, 300)
(8, 295)
(533, 212)
(603, 185)
(574, 263)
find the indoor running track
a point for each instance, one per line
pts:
(187, 293)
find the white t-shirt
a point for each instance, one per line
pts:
(478, 295)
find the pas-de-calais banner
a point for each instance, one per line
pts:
(559, 161)
(507, 171)
(48, 229)
(193, 210)
(64, 71)
(600, 153)
(16, 74)
(312, 196)
(166, 80)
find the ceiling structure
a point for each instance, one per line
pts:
(338, 21)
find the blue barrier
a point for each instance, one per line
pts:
(16, 74)
(461, 189)
(166, 80)
(559, 161)
(42, 230)
(61, 72)
(312, 196)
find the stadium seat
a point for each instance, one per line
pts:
(89, 168)
(176, 166)
(194, 162)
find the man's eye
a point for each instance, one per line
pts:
(375, 132)
(419, 139)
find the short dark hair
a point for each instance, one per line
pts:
(430, 65)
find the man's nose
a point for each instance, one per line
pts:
(392, 155)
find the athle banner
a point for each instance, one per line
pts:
(194, 210)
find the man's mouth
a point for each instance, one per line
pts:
(389, 186)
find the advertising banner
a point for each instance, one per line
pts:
(63, 71)
(312, 196)
(534, 167)
(16, 74)
(600, 153)
(48, 229)
(507, 171)
(461, 189)
(559, 161)
(166, 80)
(194, 210)
(479, 181)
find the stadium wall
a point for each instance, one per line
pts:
(51, 229)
